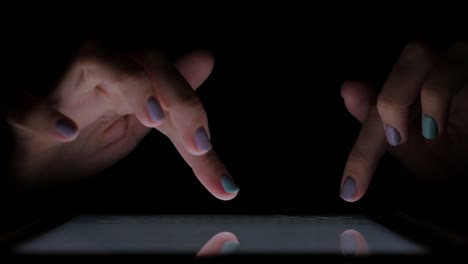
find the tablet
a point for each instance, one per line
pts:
(210, 235)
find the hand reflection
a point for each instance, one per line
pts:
(353, 243)
(220, 244)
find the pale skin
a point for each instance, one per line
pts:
(422, 83)
(105, 97)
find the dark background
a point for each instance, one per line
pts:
(273, 100)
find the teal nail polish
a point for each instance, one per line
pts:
(429, 127)
(228, 184)
(229, 247)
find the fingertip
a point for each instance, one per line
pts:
(351, 191)
(230, 247)
(356, 90)
(226, 236)
(205, 57)
(228, 188)
(228, 184)
(345, 88)
(226, 196)
(213, 175)
(348, 189)
(357, 98)
(220, 194)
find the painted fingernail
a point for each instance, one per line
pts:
(393, 137)
(66, 128)
(429, 127)
(229, 185)
(349, 189)
(202, 140)
(229, 247)
(348, 243)
(154, 109)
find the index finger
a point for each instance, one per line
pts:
(177, 97)
(366, 153)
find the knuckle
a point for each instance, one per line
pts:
(209, 159)
(138, 77)
(190, 103)
(110, 67)
(388, 105)
(416, 51)
(94, 70)
(361, 158)
(89, 68)
(431, 93)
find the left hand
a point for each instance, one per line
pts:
(103, 107)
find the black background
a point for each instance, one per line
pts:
(273, 100)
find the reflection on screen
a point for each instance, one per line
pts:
(205, 235)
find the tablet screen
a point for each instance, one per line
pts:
(205, 235)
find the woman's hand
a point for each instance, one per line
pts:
(420, 116)
(104, 106)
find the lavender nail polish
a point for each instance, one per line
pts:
(154, 109)
(348, 243)
(66, 128)
(349, 189)
(202, 140)
(393, 136)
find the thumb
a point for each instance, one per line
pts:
(357, 98)
(31, 115)
(196, 67)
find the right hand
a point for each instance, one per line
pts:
(420, 116)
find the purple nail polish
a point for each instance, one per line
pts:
(201, 139)
(66, 128)
(154, 109)
(349, 189)
(348, 243)
(393, 137)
